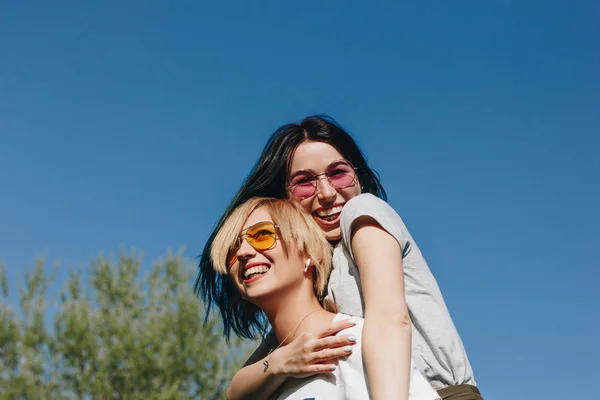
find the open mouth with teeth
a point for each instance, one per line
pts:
(329, 214)
(253, 273)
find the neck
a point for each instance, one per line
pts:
(290, 311)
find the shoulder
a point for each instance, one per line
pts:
(368, 205)
(356, 329)
(352, 379)
(365, 204)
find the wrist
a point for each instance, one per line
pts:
(272, 364)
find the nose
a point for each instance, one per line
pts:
(245, 252)
(326, 192)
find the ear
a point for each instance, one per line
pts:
(358, 183)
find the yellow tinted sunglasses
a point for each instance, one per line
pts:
(261, 236)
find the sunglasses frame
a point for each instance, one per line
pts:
(244, 236)
(316, 180)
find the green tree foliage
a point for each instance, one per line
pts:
(112, 333)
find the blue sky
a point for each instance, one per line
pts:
(133, 124)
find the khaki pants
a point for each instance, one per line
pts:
(460, 392)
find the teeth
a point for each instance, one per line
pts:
(329, 211)
(259, 269)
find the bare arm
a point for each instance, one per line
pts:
(306, 355)
(386, 335)
(251, 382)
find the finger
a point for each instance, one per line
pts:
(334, 341)
(337, 326)
(320, 368)
(331, 354)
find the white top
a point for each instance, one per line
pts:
(349, 380)
(437, 348)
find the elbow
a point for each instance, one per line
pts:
(398, 327)
(230, 393)
(401, 321)
(403, 318)
(395, 319)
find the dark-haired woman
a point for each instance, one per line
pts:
(378, 272)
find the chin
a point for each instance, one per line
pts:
(256, 298)
(260, 295)
(268, 295)
(334, 235)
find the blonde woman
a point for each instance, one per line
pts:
(276, 261)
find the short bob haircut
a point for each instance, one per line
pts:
(294, 228)
(269, 178)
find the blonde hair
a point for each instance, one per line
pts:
(294, 227)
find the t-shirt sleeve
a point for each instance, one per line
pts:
(369, 205)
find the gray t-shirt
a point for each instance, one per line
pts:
(437, 349)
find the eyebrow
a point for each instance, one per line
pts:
(341, 160)
(303, 170)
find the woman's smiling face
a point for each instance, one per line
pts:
(325, 206)
(262, 274)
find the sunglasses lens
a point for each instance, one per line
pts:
(303, 185)
(340, 175)
(232, 256)
(262, 235)
(303, 190)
